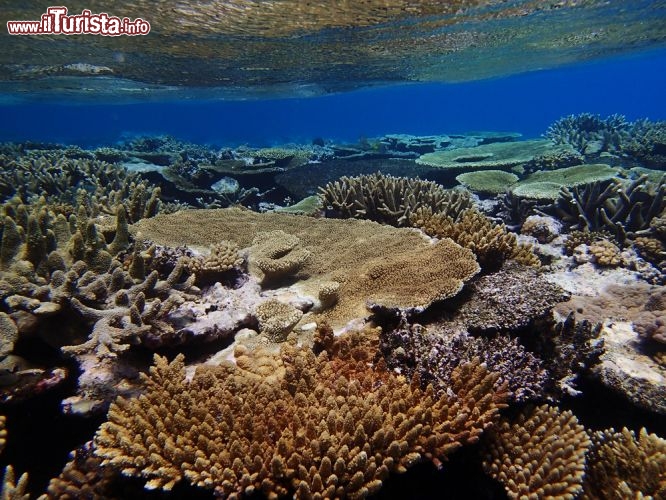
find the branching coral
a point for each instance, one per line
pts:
(97, 184)
(621, 207)
(590, 134)
(277, 319)
(12, 489)
(434, 352)
(390, 200)
(331, 427)
(622, 466)
(491, 243)
(541, 454)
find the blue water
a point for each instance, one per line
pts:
(527, 103)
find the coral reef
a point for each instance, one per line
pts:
(647, 143)
(433, 353)
(388, 267)
(625, 208)
(277, 255)
(12, 489)
(331, 427)
(620, 465)
(546, 184)
(82, 477)
(514, 298)
(590, 134)
(277, 319)
(494, 156)
(605, 253)
(543, 228)
(487, 181)
(491, 243)
(390, 200)
(539, 454)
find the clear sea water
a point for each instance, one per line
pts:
(270, 73)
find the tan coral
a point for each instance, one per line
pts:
(12, 489)
(491, 243)
(3, 432)
(621, 466)
(650, 249)
(541, 454)
(277, 319)
(82, 478)
(330, 428)
(346, 251)
(277, 255)
(224, 256)
(388, 199)
(606, 253)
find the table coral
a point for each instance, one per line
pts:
(621, 465)
(540, 454)
(393, 267)
(277, 255)
(331, 427)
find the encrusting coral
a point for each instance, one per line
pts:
(540, 454)
(333, 426)
(620, 466)
(390, 200)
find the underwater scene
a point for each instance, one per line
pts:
(390, 249)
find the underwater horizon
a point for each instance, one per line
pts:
(384, 249)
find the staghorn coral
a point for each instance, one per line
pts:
(647, 143)
(277, 319)
(390, 200)
(590, 134)
(491, 243)
(539, 454)
(12, 489)
(62, 180)
(331, 427)
(625, 208)
(620, 466)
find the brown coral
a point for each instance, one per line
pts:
(621, 466)
(606, 253)
(491, 243)
(277, 255)
(395, 267)
(539, 455)
(330, 428)
(277, 319)
(12, 489)
(390, 200)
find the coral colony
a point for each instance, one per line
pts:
(430, 301)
